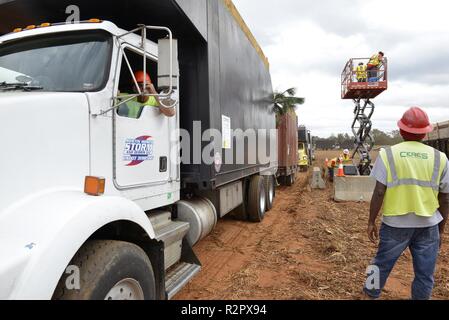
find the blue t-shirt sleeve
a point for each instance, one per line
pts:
(379, 171)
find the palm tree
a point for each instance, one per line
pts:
(286, 101)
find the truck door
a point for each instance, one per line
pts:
(141, 133)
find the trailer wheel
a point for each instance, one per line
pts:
(110, 270)
(270, 190)
(256, 199)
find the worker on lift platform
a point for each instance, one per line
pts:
(360, 72)
(374, 65)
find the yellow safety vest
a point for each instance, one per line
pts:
(135, 107)
(361, 72)
(375, 60)
(413, 177)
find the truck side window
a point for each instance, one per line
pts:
(133, 109)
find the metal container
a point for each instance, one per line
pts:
(287, 144)
(200, 213)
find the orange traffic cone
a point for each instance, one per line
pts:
(341, 171)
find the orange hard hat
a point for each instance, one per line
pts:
(415, 121)
(140, 76)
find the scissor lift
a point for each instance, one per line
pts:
(361, 90)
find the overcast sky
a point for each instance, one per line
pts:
(308, 43)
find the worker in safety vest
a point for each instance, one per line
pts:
(360, 72)
(134, 107)
(413, 187)
(346, 157)
(331, 165)
(373, 66)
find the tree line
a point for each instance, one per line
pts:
(345, 141)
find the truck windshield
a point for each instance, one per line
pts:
(68, 62)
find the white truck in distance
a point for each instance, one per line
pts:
(67, 138)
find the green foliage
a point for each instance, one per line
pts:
(285, 102)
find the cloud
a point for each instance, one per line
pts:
(309, 42)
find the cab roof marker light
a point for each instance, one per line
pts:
(45, 24)
(17, 30)
(30, 27)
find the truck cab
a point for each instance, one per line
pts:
(303, 158)
(94, 201)
(64, 90)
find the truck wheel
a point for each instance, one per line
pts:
(270, 190)
(256, 199)
(110, 270)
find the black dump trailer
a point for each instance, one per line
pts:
(225, 82)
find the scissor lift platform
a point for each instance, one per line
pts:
(364, 90)
(361, 86)
(351, 88)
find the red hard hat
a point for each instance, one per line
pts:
(415, 121)
(140, 76)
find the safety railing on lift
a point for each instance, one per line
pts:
(352, 75)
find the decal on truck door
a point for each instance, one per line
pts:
(138, 150)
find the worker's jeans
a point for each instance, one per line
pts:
(424, 246)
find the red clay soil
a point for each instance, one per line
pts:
(308, 247)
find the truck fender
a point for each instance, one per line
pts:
(42, 234)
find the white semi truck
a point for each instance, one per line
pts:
(94, 204)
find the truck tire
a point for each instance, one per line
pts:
(270, 190)
(256, 199)
(110, 270)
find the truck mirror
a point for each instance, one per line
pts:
(167, 62)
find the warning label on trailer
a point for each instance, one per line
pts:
(226, 132)
(138, 150)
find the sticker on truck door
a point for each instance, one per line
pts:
(138, 150)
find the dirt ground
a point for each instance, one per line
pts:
(308, 247)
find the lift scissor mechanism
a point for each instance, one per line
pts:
(362, 87)
(361, 128)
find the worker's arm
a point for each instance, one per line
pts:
(376, 204)
(443, 199)
(169, 112)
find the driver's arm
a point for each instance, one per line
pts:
(169, 112)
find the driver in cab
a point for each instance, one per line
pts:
(134, 107)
